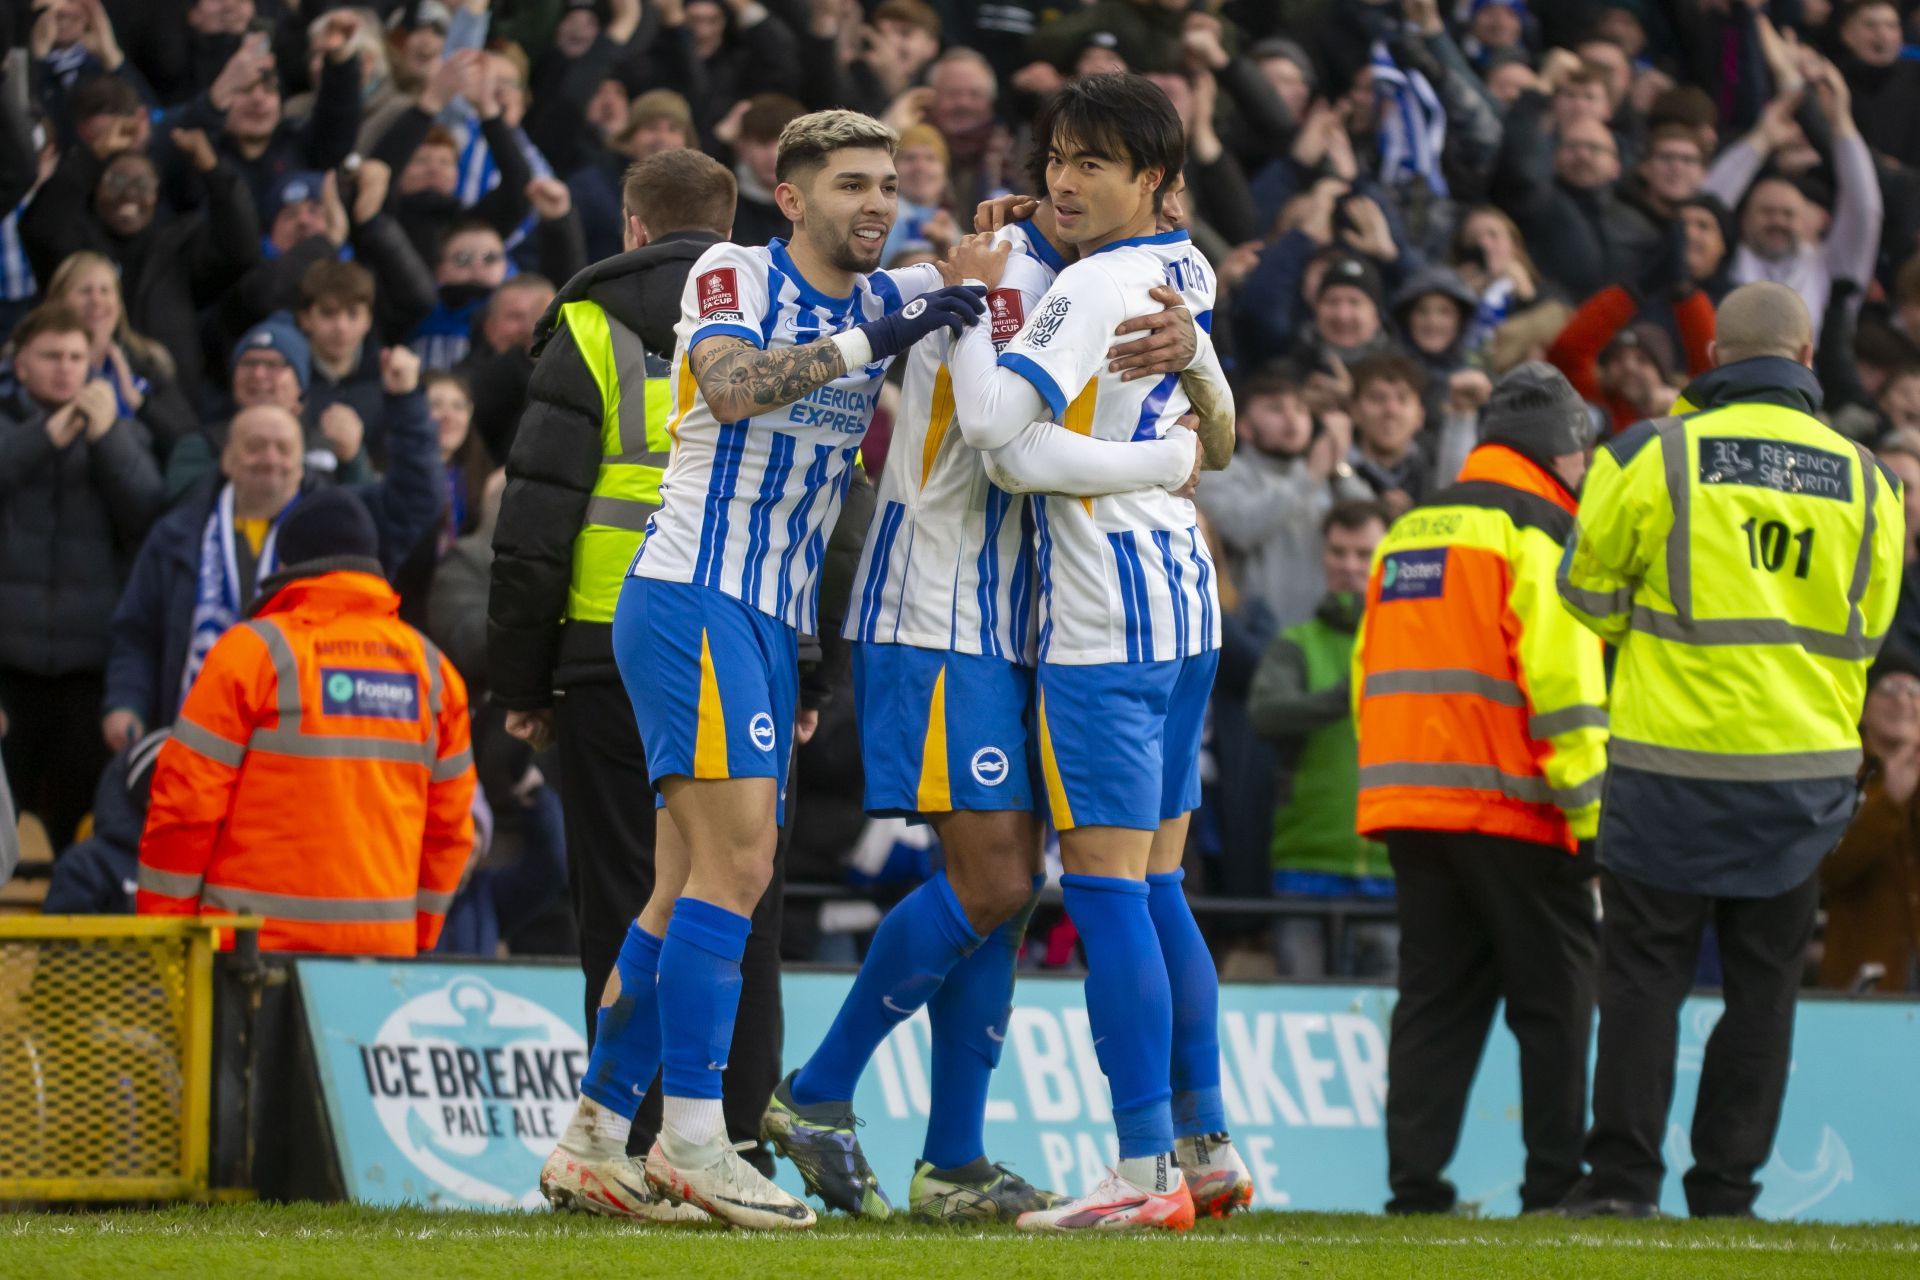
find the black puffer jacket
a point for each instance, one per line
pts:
(169, 271)
(71, 520)
(550, 473)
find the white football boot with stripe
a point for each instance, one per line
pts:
(1117, 1205)
(713, 1177)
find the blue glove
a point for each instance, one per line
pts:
(955, 307)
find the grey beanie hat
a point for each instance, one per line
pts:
(1536, 412)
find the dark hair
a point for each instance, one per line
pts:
(1123, 117)
(767, 114)
(348, 283)
(913, 13)
(680, 190)
(48, 317)
(1353, 514)
(1268, 382)
(1853, 7)
(102, 96)
(1389, 366)
(1674, 131)
(468, 223)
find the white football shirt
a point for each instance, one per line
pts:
(948, 562)
(746, 507)
(1127, 577)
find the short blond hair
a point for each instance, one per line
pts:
(806, 143)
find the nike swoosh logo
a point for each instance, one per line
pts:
(888, 1001)
(716, 1066)
(784, 1210)
(998, 1037)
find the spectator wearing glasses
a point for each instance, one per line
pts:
(473, 262)
(1671, 172)
(1562, 190)
(169, 269)
(241, 111)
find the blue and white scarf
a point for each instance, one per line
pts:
(480, 173)
(216, 600)
(1413, 124)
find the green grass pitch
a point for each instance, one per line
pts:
(267, 1242)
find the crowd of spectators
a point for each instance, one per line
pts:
(256, 247)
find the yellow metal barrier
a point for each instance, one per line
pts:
(106, 1050)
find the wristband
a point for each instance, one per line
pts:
(855, 348)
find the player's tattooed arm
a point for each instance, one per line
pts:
(740, 380)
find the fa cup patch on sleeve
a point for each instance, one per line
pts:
(720, 294)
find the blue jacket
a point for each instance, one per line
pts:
(95, 876)
(153, 625)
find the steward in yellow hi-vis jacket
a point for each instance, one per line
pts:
(1481, 712)
(1745, 559)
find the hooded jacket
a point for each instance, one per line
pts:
(551, 467)
(168, 271)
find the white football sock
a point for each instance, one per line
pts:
(1156, 1175)
(694, 1121)
(596, 1130)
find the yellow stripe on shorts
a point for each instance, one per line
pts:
(936, 788)
(1056, 789)
(710, 734)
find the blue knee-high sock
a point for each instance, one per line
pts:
(626, 1039)
(699, 995)
(1128, 1006)
(969, 1014)
(1196, 1009)
(916, 946)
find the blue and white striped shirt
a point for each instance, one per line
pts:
(746, 507)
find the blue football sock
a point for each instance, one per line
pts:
(1195, 984)
(969, 1014)
(626, 1039)
(699, 995)
(1128, 1006)
(916, 946)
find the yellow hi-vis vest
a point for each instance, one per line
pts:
(633, 445)
(1746, 560)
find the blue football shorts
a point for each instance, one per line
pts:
(1120, 741)
(941, 731)
(714, 682)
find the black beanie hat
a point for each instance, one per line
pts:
(1536, 412)
(330, 525)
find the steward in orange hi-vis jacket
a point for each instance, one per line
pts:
(1481, 710)
(320, 773)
